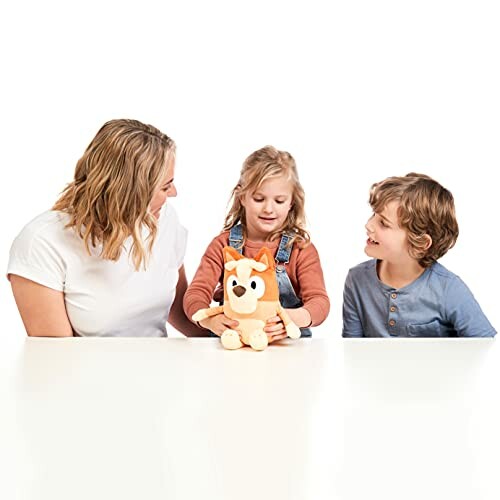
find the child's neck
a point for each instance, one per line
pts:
(258, 238)
(398, 275)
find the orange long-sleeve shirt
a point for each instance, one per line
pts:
(304, 271)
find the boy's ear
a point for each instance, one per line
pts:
(428, 241)
(422, 250)
(266, 257)
(231, 254)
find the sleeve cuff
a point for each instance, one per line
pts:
(318, 315)
(35, 275)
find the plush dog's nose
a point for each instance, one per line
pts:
(239, 290)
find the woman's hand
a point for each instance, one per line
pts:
(219, 324)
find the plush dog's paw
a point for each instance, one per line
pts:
(199, 315)
(258, 340)
(230, 339)
(293, 331)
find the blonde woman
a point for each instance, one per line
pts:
(267, 209)
(107, 259)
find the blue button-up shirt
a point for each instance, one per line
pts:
(437, 304)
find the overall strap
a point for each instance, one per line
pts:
(236, 238)
(283, 254)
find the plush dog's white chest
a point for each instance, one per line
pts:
(247, 326)
(263, 311)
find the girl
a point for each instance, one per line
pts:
(267, 209)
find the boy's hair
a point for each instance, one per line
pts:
(114, 183)
(263, 164)
(425, 207)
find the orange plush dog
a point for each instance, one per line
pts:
(251, 297)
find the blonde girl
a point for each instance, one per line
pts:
(266, 209)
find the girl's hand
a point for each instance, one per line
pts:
(275, 329)
(300, 316)
(219, 324)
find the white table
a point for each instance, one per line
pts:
(305, 420)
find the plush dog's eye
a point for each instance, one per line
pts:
(258, 286)
(232, 283)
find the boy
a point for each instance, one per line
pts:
(403, 291)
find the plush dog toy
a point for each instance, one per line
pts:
(251, 297)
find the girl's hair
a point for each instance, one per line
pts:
(114, 183)
(425, 208)
(261, 165)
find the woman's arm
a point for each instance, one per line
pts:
(200, 292)
(177, 318)
(42, 309)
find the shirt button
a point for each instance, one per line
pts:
(393, 295)
(392, 322)
(392, 309)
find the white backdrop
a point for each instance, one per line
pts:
(355, 90)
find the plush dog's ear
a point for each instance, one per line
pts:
(231, 254)
(265, 257)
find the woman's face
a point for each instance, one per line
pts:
(165, 190)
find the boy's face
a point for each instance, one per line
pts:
(386, 239)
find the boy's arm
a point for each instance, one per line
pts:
(352, 322)
(464, 313)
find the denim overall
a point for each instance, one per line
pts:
(288, 298)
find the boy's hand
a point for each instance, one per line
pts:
(219, 324)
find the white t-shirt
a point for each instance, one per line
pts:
(103, 298)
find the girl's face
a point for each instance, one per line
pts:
(266, 208)
(386, 239)
(165, 189)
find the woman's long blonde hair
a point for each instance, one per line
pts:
(263, 164)
(115, 179)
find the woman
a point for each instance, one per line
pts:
(107, 260)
